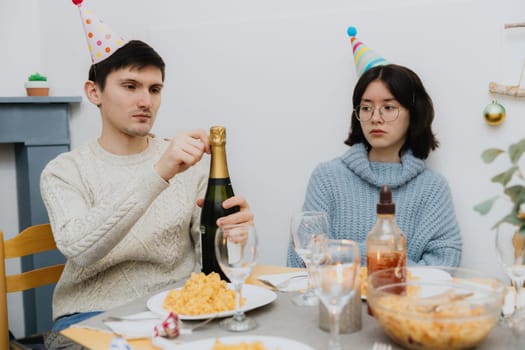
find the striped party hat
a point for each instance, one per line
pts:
(101, 39)
(364, 57)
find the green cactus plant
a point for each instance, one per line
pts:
(37, 85)
(37, 77)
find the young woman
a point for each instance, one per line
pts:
(390, 137)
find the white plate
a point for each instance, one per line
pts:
(255, 297)
(427, 274)
(271, 343)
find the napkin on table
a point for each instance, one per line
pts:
(295, 284)
(135, 326)
(140, 325)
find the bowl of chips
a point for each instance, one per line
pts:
(456, 309)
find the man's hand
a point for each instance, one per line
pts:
(185, 150)
(244, 215)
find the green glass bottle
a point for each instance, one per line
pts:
(219, 189)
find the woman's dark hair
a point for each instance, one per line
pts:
(134, 54)
(409, 91)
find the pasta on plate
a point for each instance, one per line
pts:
(201, 294)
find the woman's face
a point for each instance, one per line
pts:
(386, 137)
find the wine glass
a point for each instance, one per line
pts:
(309, 230)
(510, 248)
(236, 250)
(338, 276)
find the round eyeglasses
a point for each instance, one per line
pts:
(388, 113)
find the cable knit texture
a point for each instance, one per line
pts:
(124, 230)
(347, 188)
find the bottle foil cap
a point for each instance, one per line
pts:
(217, 135)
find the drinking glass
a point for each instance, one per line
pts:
(510, 248)
(309, 230)
(236, 250)
(338, 276)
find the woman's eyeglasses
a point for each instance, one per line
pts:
(388, 113)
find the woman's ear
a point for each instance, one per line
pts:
(92, 91)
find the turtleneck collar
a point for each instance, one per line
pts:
(379, 173)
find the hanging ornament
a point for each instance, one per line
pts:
(494, 113)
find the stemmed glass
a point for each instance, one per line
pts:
(236, 250)
(309, 230)
(510, 248)
(338, 276)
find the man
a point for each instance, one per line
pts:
(125, 208)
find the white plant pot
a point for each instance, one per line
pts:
(37, 88)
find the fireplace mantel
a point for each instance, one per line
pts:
(39, 129)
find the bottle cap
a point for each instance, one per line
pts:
(385, 205)
(217, 136)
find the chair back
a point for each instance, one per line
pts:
(34, 239)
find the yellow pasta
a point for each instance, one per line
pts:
(202, 294)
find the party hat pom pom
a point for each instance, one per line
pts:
(351, 31)
(77, 2)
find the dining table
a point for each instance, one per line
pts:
(280, 318)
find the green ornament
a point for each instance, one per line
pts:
(494, 113)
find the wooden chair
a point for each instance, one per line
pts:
(32, 240)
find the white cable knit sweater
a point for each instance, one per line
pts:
(124, 231)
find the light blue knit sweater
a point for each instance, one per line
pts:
(347, 188)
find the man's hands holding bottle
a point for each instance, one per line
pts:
(185, 150)
(244, 215)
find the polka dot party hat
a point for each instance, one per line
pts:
(101, 39)
(364, 57)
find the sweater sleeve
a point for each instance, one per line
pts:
(86, 233)
(438, 227)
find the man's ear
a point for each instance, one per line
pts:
(92, 92)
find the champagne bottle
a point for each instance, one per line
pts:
(386, 243)
(219, 189)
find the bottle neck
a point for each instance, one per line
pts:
(386, 217)
(219, 168)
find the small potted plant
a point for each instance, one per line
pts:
(37, 85)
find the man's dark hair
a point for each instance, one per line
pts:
(409, 91)
(134, 54)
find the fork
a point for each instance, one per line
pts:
(381, 346)
(189, 329)
(283, 284)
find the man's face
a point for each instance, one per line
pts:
(130, 101)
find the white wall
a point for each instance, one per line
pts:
(279, 74)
